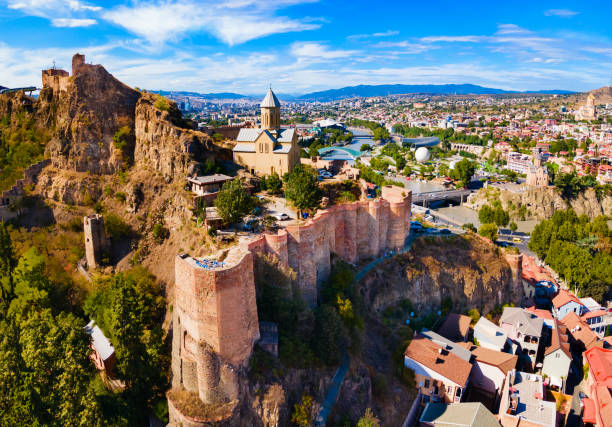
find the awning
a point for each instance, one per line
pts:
(588, 416)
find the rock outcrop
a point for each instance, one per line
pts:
(468, 269)
(163, 144)
(87, 110)
(541, 202)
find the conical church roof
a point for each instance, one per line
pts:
(270, 101)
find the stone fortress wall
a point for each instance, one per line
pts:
(215, 323)
(57, 79)
(352, 231)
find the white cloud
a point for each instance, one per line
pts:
(511, 29)
(233, 21)
(387, 33)
(561, 13)
(451, 39)
(316, 51)
(73, 23)
(51, 9)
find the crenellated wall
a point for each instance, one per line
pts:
(352, 231)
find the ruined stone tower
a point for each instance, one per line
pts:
(97, 245)
(214, 327)
(78, 60)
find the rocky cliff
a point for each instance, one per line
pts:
(541, 202)
(164, 143)
(469, 270)
(86, 116)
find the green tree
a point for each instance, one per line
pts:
(489, 231)
(513, 226)
(365, 147)
(368, 420)
(331, 338)
(302, 188)
(233, 202)
(129, 308)
(302, 411)
(274, 184)
(463, 171)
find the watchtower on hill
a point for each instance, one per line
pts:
(97, 245)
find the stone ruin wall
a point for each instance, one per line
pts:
(215, 323)
(97, 244)
(352, 231)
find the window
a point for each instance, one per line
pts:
(558, 355)
(426, 383)
(449, 389)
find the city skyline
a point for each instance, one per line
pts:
(303, 45)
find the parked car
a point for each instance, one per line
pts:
(325, 174)
(445, 231)
(281, 216)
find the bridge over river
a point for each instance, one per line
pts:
(436, 196)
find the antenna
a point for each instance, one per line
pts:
(54, 64)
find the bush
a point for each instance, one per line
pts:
(162, 103)
(233, 202)
(160, 232)
(116, 227)
(120, 196)
(489, 231)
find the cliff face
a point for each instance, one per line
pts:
(166, 147)
(541, 202)
(86, 116)
(469, 270)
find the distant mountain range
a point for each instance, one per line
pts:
(383, 90)
(373, 90)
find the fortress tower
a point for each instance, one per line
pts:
(214, 328)
(78, 60)
(97, 244)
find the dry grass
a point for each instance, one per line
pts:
(189, 404)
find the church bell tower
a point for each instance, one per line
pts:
(270, 112)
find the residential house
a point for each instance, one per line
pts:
(597, 321)
(545, 315)
(489, 370)
(525, 329)
(456, 348)
(557, 356)
(207, 185)
(522, 402)
(590, 304)
(467, 414)
(488, 335)
(582, 337)
(103, 354)
(456, 327)
(440, 375)
(566, 302)
(598, 408)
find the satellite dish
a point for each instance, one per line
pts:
(422, 154)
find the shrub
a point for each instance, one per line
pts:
(489, 231)
(120, 196)
(160, 232)
(116, 227)
(162, 103)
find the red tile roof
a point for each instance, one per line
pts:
(542, 314)
(455, 327)
(442, 361)
(580, 330)
(504, 361)
(591, 314)
(533, 272)
(564, 297)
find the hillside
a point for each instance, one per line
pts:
(603, 95)
(398, 89)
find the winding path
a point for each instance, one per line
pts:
(334, 390)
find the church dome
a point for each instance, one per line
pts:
(270, 101)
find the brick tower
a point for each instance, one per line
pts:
(97, 245)
(214, 327)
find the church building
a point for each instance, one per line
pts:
(268, 149)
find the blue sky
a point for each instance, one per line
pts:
(305, 45)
